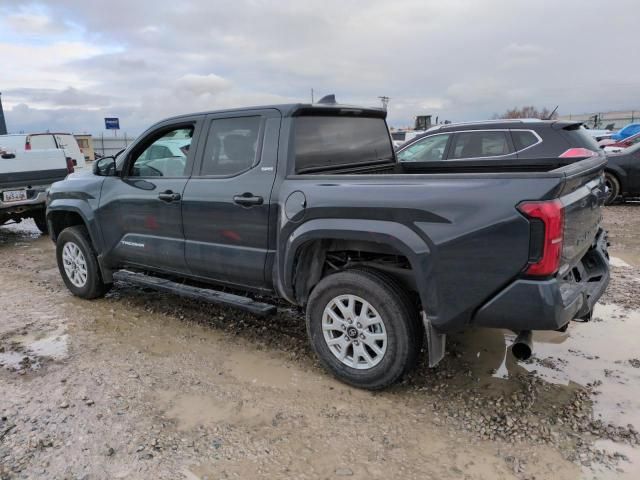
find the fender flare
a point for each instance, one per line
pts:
(408, 242)
(84, 211)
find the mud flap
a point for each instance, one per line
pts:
(435, 341)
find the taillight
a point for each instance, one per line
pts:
(551, 215)
(27, 144)
(70, 165)
(578, 153)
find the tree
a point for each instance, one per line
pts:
(527, 112)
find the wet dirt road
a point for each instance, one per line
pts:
(146, 385)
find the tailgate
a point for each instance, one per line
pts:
(583, 194)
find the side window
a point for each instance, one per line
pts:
(425, 150)
(480, 144)
(523, 139)
(232, 146)
(166, 156)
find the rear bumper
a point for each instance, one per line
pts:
(36, 197)
(550, 304)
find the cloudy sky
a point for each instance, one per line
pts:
(66, 64)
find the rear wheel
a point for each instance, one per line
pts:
(363, 329)
(613, 187)
(40, 220)
(78, 263)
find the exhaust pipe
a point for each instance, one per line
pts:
(522, 345)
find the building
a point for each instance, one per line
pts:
(106, 146)
(3, 124)
(614, 120)
(85, 142)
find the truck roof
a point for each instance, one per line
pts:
(297, 109)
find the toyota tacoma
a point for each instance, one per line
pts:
(309, 204)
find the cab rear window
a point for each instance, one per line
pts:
(333, 142)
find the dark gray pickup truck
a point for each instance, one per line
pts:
(307, 203)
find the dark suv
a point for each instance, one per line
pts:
(506, 145)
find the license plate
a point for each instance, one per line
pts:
(14, 195)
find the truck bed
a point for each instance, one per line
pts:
(468, 221)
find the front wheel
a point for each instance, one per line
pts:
(78, 263)
(363, 328)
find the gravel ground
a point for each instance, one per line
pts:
(146, 385)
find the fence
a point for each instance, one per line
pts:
(107, 145)
(609, 120)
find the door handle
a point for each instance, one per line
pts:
(169, 196)
(248, 199)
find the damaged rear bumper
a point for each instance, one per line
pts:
(550, 304)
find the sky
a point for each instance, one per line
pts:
(67, 64)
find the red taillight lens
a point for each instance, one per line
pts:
(27, 145)
(70, 165)
(551, 214)
(578, 153)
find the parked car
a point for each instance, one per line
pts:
(307, 203)
(46, 141)
(598, 134)
(626, 131)
(622, 173)
(620, 144)
(507, 145)
(25, 177)
(401, 137)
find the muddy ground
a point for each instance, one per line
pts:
(146, 385)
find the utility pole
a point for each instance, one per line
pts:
(385, 101)
(3, 124)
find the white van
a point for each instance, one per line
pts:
(46, 141)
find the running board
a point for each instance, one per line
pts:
(196, 293)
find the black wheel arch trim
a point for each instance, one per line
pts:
(398, 236)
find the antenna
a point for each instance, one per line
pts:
(551, 114)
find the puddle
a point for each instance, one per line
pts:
(620, 450)
(191, 411)
(604, 350)
(260, 370)
(15, 361)
(26, 351)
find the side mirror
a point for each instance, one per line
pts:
(105, 167)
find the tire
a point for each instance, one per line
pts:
(40, 220)
(397, 335)
(613, 184)
(82, 277)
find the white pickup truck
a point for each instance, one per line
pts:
(25, 177)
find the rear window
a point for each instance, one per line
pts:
(480, 144)
(328, 142)
(577, 136)
(42, 141)
(523, 139)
